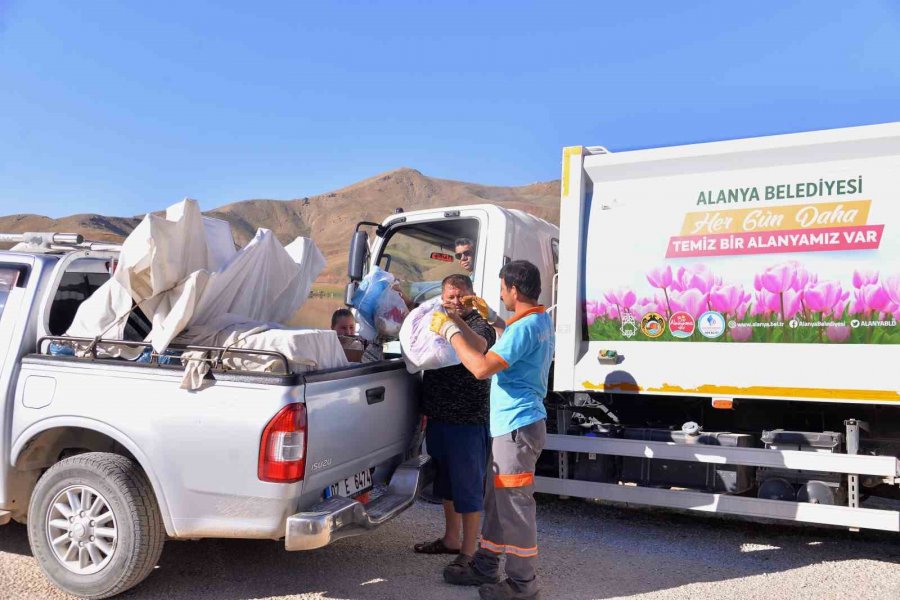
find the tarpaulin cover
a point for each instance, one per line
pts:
(183, 272)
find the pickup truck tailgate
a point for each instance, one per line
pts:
(358, 418)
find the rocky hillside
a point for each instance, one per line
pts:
(328, 218)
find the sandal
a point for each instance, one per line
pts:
(435, 547)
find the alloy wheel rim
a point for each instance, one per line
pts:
(81, 529)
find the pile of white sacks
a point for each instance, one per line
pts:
(183, 271)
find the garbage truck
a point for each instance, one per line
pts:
(726, 328)
(726, 321)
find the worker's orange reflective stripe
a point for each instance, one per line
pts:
(522, 552)
(492, 547)
(508, 549)
(514, 480)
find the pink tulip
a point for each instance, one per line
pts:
(757, 282)
(741, 311)
(741, 334)
(861, 278)
(838, 333)
(691, 301)
(874, 296)
(859, 304)
(821, 297)
(778, 279)
(661, 277)
(726, 298)
(802, 277)
(891, 286)
(838, 309)
(767, 303)
(622, 297)
(697, 277)
(792, 305)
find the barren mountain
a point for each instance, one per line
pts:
(327, 218)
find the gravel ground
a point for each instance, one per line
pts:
(587, 552)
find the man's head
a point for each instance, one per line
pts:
(342, 322)
(453, 289)
(465, 253)
(520, 281)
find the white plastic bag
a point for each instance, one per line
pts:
(390, 313)
(422, 348)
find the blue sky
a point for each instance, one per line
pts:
(124, 107)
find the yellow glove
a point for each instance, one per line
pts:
(443, 325)
(481, 306)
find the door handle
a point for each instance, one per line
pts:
(375, 395)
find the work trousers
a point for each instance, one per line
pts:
(510, 525)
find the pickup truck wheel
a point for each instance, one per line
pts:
(94, 525)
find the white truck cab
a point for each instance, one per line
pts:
(418, 249)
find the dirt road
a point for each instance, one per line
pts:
(587, 552)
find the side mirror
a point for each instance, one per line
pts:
(359, 249)
(349, 292)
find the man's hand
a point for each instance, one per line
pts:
(443, 325)
(481, 306)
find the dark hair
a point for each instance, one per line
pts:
(463, 242)
(340, 314)
(458, 281)
(523, 276)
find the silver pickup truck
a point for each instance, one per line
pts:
(106, 458)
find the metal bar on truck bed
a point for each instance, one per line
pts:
(823, 514)
(883, 466)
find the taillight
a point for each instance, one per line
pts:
(282, 449)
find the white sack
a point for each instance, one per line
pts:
(261, 283)
(156, 259)
(305, 349)
(184, 273)
(422, 348)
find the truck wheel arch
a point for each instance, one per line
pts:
(36, 430)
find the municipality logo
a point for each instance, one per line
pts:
(711, 324)
(629, 326)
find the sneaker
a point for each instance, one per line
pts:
(462, 572)
(504, 590)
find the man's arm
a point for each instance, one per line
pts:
(481, 365)
(499, 327)
(473, 339)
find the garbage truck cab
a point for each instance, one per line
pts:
(418, 249)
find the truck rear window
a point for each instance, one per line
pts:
(72, 291)
(10, 277)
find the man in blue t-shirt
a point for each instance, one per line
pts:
(518, 365)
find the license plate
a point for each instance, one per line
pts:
(351, 486)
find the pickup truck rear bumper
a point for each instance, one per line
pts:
(339, 517)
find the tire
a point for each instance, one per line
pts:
(120, 547)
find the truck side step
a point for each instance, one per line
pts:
(823, 514)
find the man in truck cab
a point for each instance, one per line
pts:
(518, 366)
(465, 254)
(457, 434)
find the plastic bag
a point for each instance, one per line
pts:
(422, 348)
(366, 299)
(390, 313)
